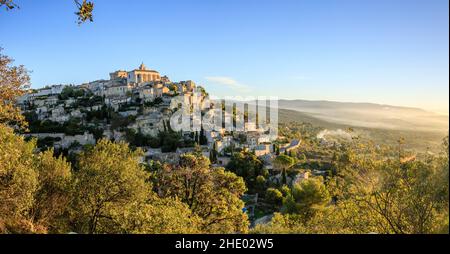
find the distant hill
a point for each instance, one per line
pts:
(369, 115)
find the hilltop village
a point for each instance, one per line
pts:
(133, 106)
(139, 150)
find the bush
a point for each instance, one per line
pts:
(47, 142)
(153, 103)
(138, 139)
(248, 166)
(71, 92)
(274, 196)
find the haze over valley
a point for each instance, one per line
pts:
(370, 115)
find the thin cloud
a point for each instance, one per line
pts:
(229, 82)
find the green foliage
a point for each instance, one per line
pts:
(71, 92)
(129, 106)
(113, 195)
(213, 156)
(173, 88)
(170, 141)
(85, 99)
(154, 103)
(53, 193)
(202, 139)
(119, 122)
(18, 181)
(96, 132)
(306, 198)
(71, 127)
(374, 190)
(248, 166)
(325, 221)
(274, 196)
(138, 139)
(108, 179)
(400, 196)
(157, 216)
(213, 194)
(33, 186)
(13, 81)
(103, 113)
(261, 183)
(9, 4)
(47, 142)
(203, 91)
(85, 10)
(285, 190)
(282, 163)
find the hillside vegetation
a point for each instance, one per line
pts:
(418, 140)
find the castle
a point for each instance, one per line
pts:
(140, 75)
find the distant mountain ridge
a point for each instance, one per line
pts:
(337, 104)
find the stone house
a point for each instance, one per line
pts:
(117, 90)
(263, 149)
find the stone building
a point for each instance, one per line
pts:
(263, 149)
(143, 75)
(146, 93)
(120, 74)
(117, 90)
(165, 79)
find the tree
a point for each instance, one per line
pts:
(260, 184)
(109, 178)
(84, 9)
(112, 194)
(395, 196)
(196, 138)
(375, 190)
(203, 140)
(274, 196)
(213, 156)
(326, 221)
(443, 172)
(53, 192)
(213, 194)
(169, 140)
(9, 4)
(280, 224)
(33, 186)
(84, 12)
(173, 88)
(247, 166)
(13, 81)
(283, 163)
(18, 182)
(306, 198)
(302, 157)
(157, 216)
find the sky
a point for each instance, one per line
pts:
(382, 51)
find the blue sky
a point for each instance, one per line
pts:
(383, 51)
